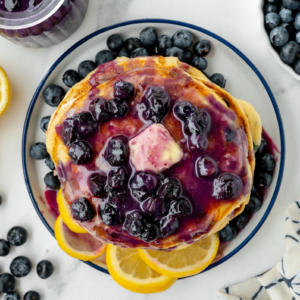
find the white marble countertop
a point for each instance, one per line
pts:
(238, 22)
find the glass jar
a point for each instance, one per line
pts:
(51, 23)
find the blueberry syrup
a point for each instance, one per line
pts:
(50, 197)
(20, 5)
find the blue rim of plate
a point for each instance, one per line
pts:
(181, 24)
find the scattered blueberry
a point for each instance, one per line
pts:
(20, 266)
(263, 180)
(44, 123)
(253, 205)
(81, 152)
(117, 108)
(123, 53)
(205, 167)
(297, 66)
(168, 225)
(12, 296)
(104, 56)
(85, 68)
(262, 149)
(53, 95)
(49, 163)
(97, 183)
(139, 52)
(180, 207)
(270, 8)
(117, 151)
(228, 233)
(114, 43)
(38, 151)
(182, 39)
(240, 221)
(44, 269)
(52, 181)
(175, 52)
(202, 48)
(17, 236)
(82, 210)
(170, 189)
(32, 295)
(188, 56)
(279, 36)
(298, 37)
(132, 44)
(184, 110)
(218, 79)
(199, 63)
(4, 247)
(155, 206)
(291, 4)
(117, 178)
(7, 283)
(110, 215)
(100, 110)
(148, 37)
(123, 90)
(70, 78)
(267, 163)
(286, 16)
(272, 20)
(297, 21)
(164, 42)
(227, 186)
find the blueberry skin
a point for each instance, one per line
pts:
(168, 225)
(170, 189)
(117, 151)
(44, 269)
(289, 27)
(123, 53)
(117, 178)
(262, 149)
(202, 48)
(297, 66)
(53, 95)
(100, 110)
(286, 15)
(44, 123)
(184, 110)
(240, 221)
(270, 8)
(175, 52)
(12, 296)
(118, 109)
(182, 39)
(180, 207)
(273, 1)
(272, 20)
(97, 182)
(49, 163)
(148, 37)
(297, 21)
(32, 295)
(123, 90)
(267, 163)
(291, 4)
(17, 236)
(38, 151)
(115, 43)
(188, 56)
(109, 214)
(7, 283)
(279, 36)
(263, 180)
(164, 42)
(85, 68)
(254, 205)
(70, 78)
(298, 37)
(20, 266)
(81, 152)
(4, 247)
(132, 44)
(199, 63)
(52, 181)
(218, 79)
(82, 210)
(227, 186)
(228, 233)
(0, 199)
(139, 52)
(104, 56)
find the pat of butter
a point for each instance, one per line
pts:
(154, 149)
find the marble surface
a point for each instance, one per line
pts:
(236, 21)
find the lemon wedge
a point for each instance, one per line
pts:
(128, 269)
(5, 92)
(184, 261)
(82, 246)
(66, 215)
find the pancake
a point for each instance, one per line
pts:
(234, 131)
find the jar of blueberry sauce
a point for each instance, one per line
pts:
(40, 23)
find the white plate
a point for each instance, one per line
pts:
(243, 81)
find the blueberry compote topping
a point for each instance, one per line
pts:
(100, 110)
(205, 167)
(81, 152)
(170, 189)
(123, 90)
(117, 178)
(82, 210)
(97, 182)
(109, 214)
(227, 186)
(116, 152)
(117, 108)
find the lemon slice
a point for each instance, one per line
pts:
(66, 215)
(185, 261)
(82, 246)
(5, 92)
(128, 269)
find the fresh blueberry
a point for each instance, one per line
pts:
(205, 167)
(253, 205)
(100, 110)
(297, 66)
(44, 269)
(117, 108)
(85, 68)
(168, 225)
(123, 53)
(20, 266)
(155, 206)
(97, 183)
(104, 56)
(197, 142)
(297, 21)
(175, 52)
(117, 178)
(7, 283)
(144, 184)
(139, 52)
(4, 247)
(109, 214)
(44, 123)
(273, 1)
(0, 199)
(199, 63)
(49, 163)
(182, 39)
(290, 28)
(279, 36)
(170, 189)
(132, 44)
(298, 37)
(114, 43)
(52, 181)
(156, 102)
(272, 20)
(164, 42)
(180, 207)
(70, 78)
(240, 221)
(150, 233)
(218, 79)
(32, 295)
(291, 4)
(269, 7)
(53, 95)
(134, 223)
(202, 48)
(116, 152)
(188, 56)
(227, 186)
(12, 296)
(261, 149)
(184, 110)
(263, 180)
(267, 163)
(81, 152)
(82, 210)
(148, 37)
(38, 151)
(228, 233)
(286, 16)
(123, 90)
(17, 236)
